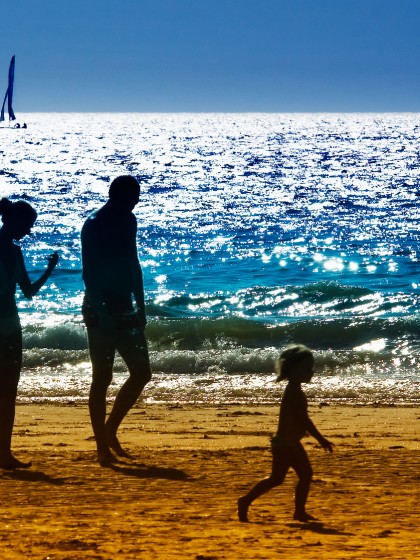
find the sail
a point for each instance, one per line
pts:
(2, 107)
(9, 93)
(11, 81)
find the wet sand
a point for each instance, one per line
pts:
(176, 497)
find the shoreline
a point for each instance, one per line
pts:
(176, 497)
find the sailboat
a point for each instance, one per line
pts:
(9, 93)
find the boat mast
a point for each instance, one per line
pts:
(9, 93)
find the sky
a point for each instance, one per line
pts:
(212, 55)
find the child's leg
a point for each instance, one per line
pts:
(280, 466)
(302, 466)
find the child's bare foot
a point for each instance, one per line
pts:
(11, 462)
(243, 510)
(303, 516)
(115, 445)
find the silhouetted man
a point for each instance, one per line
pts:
(113, 279)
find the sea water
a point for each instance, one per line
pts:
(254, 231)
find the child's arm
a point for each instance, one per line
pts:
(323, 442)
(301, 409)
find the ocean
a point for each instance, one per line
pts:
(254, 231)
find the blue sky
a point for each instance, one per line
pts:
(212, 55)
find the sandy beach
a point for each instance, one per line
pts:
(176, 497)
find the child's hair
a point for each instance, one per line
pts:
(290, 356)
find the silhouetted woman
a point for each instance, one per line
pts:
(18, 219)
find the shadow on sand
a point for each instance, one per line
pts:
(32, 476)
(144, 471)
(317, 527)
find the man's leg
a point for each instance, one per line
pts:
(102, 353)
(132, 347)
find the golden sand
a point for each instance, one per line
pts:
(176, 497)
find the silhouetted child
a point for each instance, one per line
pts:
(296, 365)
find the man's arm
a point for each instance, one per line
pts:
(137, 278)
(139, 294)
(92, 274)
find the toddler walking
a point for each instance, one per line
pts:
(296, 365)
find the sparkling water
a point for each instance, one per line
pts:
(254, 231)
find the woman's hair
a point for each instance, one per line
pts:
(5, 205)
(19, 211)
(289, 357)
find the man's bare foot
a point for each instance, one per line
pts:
(115, 445)
(13, 463)
(106, 458)
(303, 517)
(242, 510)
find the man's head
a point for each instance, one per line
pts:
(124, 192)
